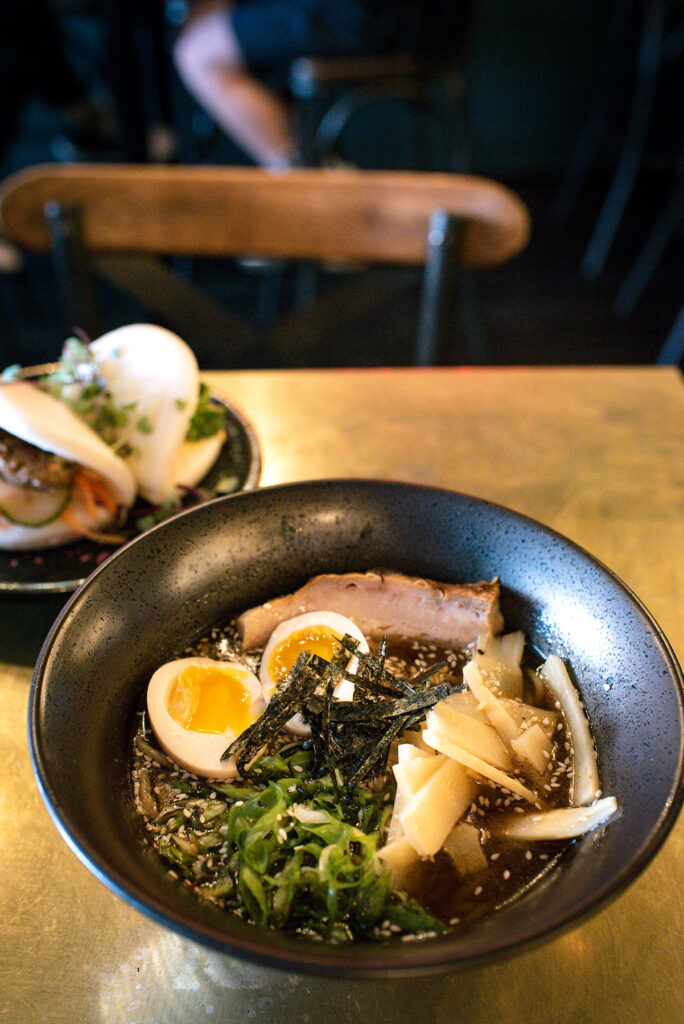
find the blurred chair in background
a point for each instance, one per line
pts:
(660, 41)
(237, 61)
(332, 96)
(118, 219)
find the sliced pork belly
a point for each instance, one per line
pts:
(388, 604)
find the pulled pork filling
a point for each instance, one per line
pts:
(25, 465)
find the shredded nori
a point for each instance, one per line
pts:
(350, 740)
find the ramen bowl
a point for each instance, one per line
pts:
(162, 591)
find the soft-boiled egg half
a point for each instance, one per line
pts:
(318, 633)
(198, 706)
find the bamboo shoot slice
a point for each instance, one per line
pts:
(586, 784)
(525, 715)
(416, 739)
(499, 663)
(464, 702)
(495, 711)
(465, 849)
(564, 823)
(395, 829)
(533, 747)
(413, 774)
(431, 814)
(467, 732)
(409, 751)
(400, 857)
(480, 767)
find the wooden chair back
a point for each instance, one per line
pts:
(400, 217)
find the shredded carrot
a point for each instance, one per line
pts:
(97, 535)
(101, 493)
(83, 483)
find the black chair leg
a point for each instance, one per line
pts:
(649, 60)
(594, 130)
(659, 237)
(672, 352)
(448, 299)
(75, 284)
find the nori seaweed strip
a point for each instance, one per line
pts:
(327, 752)
(415, 720)
(376, 760)
(344, 711)
(350, 740)
(380, 659)
(317, 742)
(291, 693)
(317, 711)
(367, 676)
(349, 644)
(421, 680)
(381, 682)
(371, 672)
(330, 758)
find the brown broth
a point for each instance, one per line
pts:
(512, 867)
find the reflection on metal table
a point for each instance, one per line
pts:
(595, 453)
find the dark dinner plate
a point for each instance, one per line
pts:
(61, 569)
(160, 592)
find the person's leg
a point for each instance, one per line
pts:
(211, 63)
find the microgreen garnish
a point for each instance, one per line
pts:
(207, 418)
(78, 382)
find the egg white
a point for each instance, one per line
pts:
(340, 625)
(197, 752)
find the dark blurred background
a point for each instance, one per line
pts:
(550, 99)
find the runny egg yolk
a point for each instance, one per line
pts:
(316, 639)
(209, 699)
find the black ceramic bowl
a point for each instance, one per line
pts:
(164, 589)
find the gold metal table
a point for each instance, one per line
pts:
(596, 453)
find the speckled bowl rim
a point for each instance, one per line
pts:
(421, 959)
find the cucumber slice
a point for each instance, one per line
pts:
(28, 507)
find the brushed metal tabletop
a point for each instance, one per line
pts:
(596, 453)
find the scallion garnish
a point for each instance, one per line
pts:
(281, 851)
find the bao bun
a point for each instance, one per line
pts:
(156, 371)
(33, 416)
